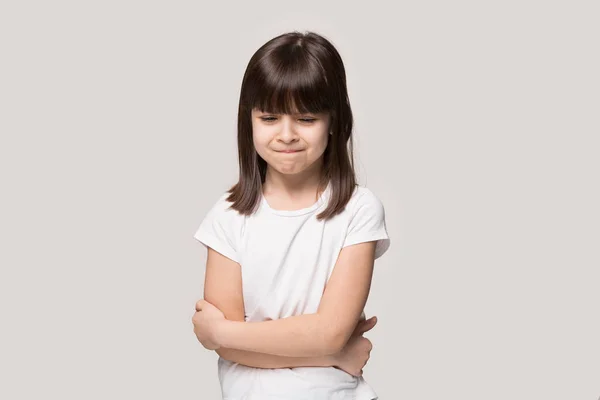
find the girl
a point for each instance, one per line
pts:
(291, 246)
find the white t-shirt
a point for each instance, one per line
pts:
(286, 258)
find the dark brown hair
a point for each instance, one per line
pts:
(296, 72)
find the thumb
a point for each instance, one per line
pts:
(366, 325)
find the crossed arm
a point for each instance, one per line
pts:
(303, 340)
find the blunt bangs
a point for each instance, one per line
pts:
(297, 85)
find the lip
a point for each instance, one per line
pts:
(290, 151)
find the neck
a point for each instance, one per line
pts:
(295, 185)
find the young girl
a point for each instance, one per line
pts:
(291, 246)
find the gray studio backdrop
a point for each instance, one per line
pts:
(476, 125)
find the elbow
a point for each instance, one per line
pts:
(336, 341)
(224, 353)
(334, 335)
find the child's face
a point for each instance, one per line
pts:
(274, 133)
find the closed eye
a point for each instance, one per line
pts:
(305, 120)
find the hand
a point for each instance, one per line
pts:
(355, 354)
(206, 320)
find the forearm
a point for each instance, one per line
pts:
(306, 335)
(263, 360)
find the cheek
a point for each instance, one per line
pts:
(260, 145)
(320, 142)
(260, 134)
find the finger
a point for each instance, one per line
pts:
(367, 325)
(360, 326)
(364, 325)
(199, 305)
(364, 321)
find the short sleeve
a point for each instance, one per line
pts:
(218, 229)
(367, 223)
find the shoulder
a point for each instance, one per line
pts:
(367, 221)
(221, 228)
(365, 197)
(221, 208)
(227, 218)
(223, 204)
(220, 215)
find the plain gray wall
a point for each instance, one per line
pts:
(477, 125)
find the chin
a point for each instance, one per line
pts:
(289, 172)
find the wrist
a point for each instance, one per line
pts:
(332, 360)
(220, 333)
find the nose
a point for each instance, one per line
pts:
(287, 134)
